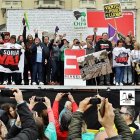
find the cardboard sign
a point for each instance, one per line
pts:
(94, 65)
(11, 60)
(112, 10)
(72, 76)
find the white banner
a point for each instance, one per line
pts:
(121, 57)
(11, 60)
(72, 76)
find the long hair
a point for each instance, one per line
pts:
(40, 126)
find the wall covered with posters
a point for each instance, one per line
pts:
(47, 20)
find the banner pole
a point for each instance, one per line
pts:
(115, 23)
(81, 36)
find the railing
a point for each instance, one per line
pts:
(48, 4)
(11, 4)
(87, 4)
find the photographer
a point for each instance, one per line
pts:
(76, 44)
(46, 130)
(106, 121)
(28, 126)
(62, 122)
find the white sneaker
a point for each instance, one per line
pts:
(121, 84)
(13, 83)
(5, 83)
(117, 84)
(34, 83)
(41, 83)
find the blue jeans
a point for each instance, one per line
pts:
(37, 72)
(127, 75)
(119, 74)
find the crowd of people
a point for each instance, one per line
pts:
(44, 59)
(24, 122)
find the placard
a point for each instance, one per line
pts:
(11, 60)
(72, 76)
(94, 65)
(112, 10)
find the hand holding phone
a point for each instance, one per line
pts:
(102, 108)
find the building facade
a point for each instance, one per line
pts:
(68, 5)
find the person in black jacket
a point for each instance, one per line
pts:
(28, 127)
(104, 44)
(38, 59)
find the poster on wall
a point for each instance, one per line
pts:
(80, 19)
(72, 76)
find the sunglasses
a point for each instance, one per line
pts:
(124, 113)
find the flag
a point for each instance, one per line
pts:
(26, 20)
(121, 36)
(111, 33)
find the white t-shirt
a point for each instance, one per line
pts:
(39, 54)
(12, 46)
(135, 55)
(118, 50)
(75, 47)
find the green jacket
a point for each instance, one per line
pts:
(76, 125)
(122, 127)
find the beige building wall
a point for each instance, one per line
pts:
(28, 4)
(2, 18)
(74, 4)
(138, 21)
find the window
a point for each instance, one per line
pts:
(49, 1)
(127, 0)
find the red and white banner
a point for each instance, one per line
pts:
(72, 76)
(11, 60)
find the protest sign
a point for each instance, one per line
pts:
(94, 65)
(121, 57)
(112, 10)
(11, 60)
(80, 19)
(72, 76)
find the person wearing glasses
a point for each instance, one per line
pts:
(128, 114)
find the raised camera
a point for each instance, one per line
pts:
(39, 99)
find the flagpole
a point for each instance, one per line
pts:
(115, 24)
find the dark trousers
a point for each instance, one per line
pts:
(62, 73)
(55, 70)
(105, 79)
(27, 68)
(37, 71)
(9, 75)
(1, 77)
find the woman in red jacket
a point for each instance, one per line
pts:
(63, 122)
